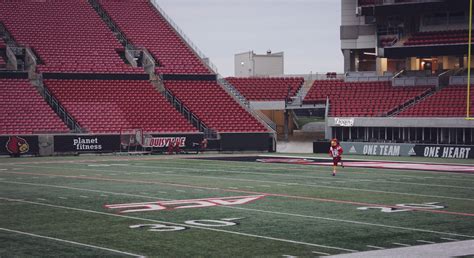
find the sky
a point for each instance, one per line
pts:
(306, 30)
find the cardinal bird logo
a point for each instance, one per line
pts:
(17, 145)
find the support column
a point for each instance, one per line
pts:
(286, 125)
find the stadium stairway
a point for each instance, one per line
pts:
(149, 63)
(302, 92)
(409, 103)
(25, 60)
(167, 69)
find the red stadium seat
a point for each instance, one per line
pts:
(438, 38)
(68, 36)
(24, 111)
(448, 102)
(360, 98)
(266, 89)
(109, 106)
(156, 35)
(214, 106)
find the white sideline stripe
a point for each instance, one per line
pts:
(286, 175)
(70, 242)
(375, 247)
(182, 225)
(448, 249)
(374, 160)
(313, 177)
(262, 211)
(262, 173)
(309, 185)
(400, 244)
(450, 239)
(426, 242)
(314, 252)
(311, 169)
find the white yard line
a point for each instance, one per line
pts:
(70, 242)
(303, 176)
(183, 225)
(261, 211)
(270, 174)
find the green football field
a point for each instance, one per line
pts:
(176, 207)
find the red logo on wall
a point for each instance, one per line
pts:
(17, 145)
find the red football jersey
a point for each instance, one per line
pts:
(336, 151)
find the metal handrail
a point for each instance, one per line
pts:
(204, 59)
(190, 116)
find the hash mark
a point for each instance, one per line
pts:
(375, 247)
(400, 244)
(83, 196)
(41, 199)
(424, 241)
(314, 252)
(180, 191)
(64, 198)
(450, 239)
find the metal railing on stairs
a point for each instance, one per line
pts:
(204, 59)
(190, 117)
(111, 24)
(59, 108)
(149, 63)
(400, 108)
(233, 92)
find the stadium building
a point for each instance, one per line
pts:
(406, 67)
(117, 75)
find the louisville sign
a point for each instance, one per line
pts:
(162, 142)
(183, 204)
(18, 145)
